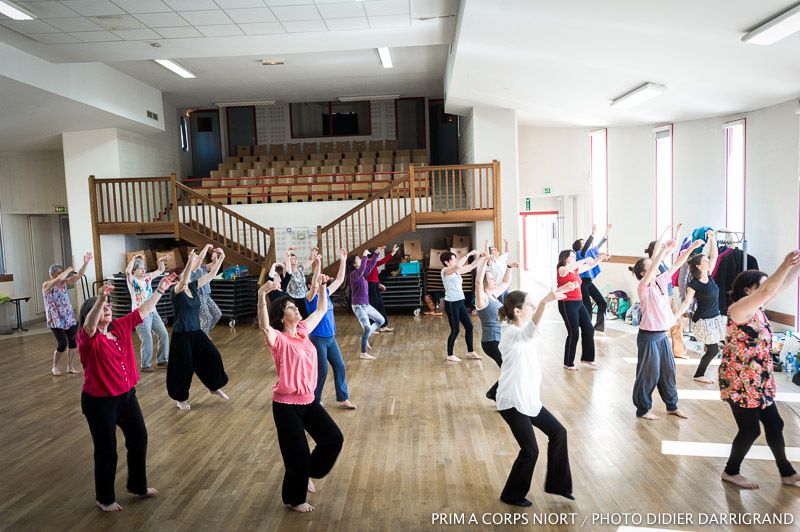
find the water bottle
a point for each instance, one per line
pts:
(788, 364)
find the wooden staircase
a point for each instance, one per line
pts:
(162, 206)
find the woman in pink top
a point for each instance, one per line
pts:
(656, 365)
(293, 405)
(109, 393)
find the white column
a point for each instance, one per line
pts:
(495, 137)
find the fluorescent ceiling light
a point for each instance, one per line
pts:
(638, 95)
(386, 59)
(175, 67)
(362, 98)
(14, 12)
(776, 28)
(271, 62)
(245, 103)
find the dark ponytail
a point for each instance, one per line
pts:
(639, 269)
(513, 300)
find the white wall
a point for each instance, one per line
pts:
(24, 178)
(466, 139)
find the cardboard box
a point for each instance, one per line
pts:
(460, 252)
(412, 248)
(174, 259)
(435, 263)
(149, 258)
(459, 241)
(242, 151)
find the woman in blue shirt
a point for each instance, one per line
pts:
(585, 250)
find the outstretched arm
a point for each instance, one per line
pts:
(315, 317)
(186, 274)
(713, 255)
(334, 286)
(743, 310)
(50, 283)
(161, 267)
(506, 282)
(555, 295)
(603, 240)
(219, 258)
(683, 257)
(270, 334)
(587, 244)
(315, 273)
(652, 271)
(464, 268)
(93, 317)
(149, 306)
(686, 302)
(87, 257)
(481, 297)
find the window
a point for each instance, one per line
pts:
(598, 176)
(735, 175)
(2, 257)
(330, 119)
(663, 178)
(184, 132)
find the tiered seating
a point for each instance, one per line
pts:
(301, 172)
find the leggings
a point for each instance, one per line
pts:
(711, 352)
(747, 420)
(104, 415)
(65, 338)
(590, 292)
(376, 300)
(365, 313)
(457, 313)
(491, 348)
(292, 422)
(328, 351)
(578, 323)
(558, 479)
(193, 353)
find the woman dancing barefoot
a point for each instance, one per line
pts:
(745, 374)
(359, 268)
(454, 301)
(293, 405)
(109, 394)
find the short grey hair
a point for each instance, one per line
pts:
(138, 263)
(54, 269)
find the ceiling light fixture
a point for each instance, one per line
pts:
(362, 98)
(15, 12)
(386, 59)
(638, 95)
(776, 28)
(271, 62)
(175, 67)
(245, 103)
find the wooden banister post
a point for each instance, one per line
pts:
(98, 258)
(497, 211)
(176, 223)
(319, 240)
(413, 205)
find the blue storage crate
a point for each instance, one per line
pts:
(409, 268)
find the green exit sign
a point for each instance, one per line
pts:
(547, 190)
(60, 209)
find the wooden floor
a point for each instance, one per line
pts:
(423, 441)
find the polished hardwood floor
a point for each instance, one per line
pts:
(423, 441)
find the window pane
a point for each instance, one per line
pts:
(599, 178)
(663, 181)
(350, 118)
(734, 177)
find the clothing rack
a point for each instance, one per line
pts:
(734, 238)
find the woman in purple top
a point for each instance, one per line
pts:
(359, 268)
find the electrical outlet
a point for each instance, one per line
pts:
(12, 318)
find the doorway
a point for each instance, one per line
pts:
(540, 247)
(206, 147)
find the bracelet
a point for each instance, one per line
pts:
(160, 291)
(507, 266)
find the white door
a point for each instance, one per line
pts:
(540, 233)
(44, 232)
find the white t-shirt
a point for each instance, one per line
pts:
(499, 267)
(520, 376)
(452, 286)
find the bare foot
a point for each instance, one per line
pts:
(366, 356)
(793, 480)
(682, 355)
(221, 393)
(572, 368)
(704, 380)
(739, 480)
(591, 364)
(183, 405)
(649, 416)
(677, 413)
(347, 405)
(453, 358)
(113, 507)
(311, 487)
(386, 329)
(73, 371)
(302, 508)
(369, 346)
(151, 492)
(57, 373)
(472, 355)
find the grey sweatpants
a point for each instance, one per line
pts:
(655, 368)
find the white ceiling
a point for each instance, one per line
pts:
(560, 63)
(417, 71)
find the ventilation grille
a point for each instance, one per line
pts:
(151, 114)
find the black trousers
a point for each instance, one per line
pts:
(376, 300)
(579, 324)
(711, 352)
(747, 419)
(300, 303)
(65, 338)
(558, 479)
(590, 292)
(104, 414)
(189, 353)
(292, 422)
(492, 349)
(457, 313)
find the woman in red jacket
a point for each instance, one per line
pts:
(375, 297)
(109, 393)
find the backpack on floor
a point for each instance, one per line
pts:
(634, 315)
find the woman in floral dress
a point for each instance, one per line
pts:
(745, 374)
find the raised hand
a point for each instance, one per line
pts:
(105, 291)
(669, 244)
(87, 257)
(366, 253)
(594, 228)
(324, 279)
(696, 244)
(792, 258)
(266, 288)
(514, 264)
(168, 282)
(342, 254)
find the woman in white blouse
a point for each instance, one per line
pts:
(519, 401)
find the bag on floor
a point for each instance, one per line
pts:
(634, 315)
